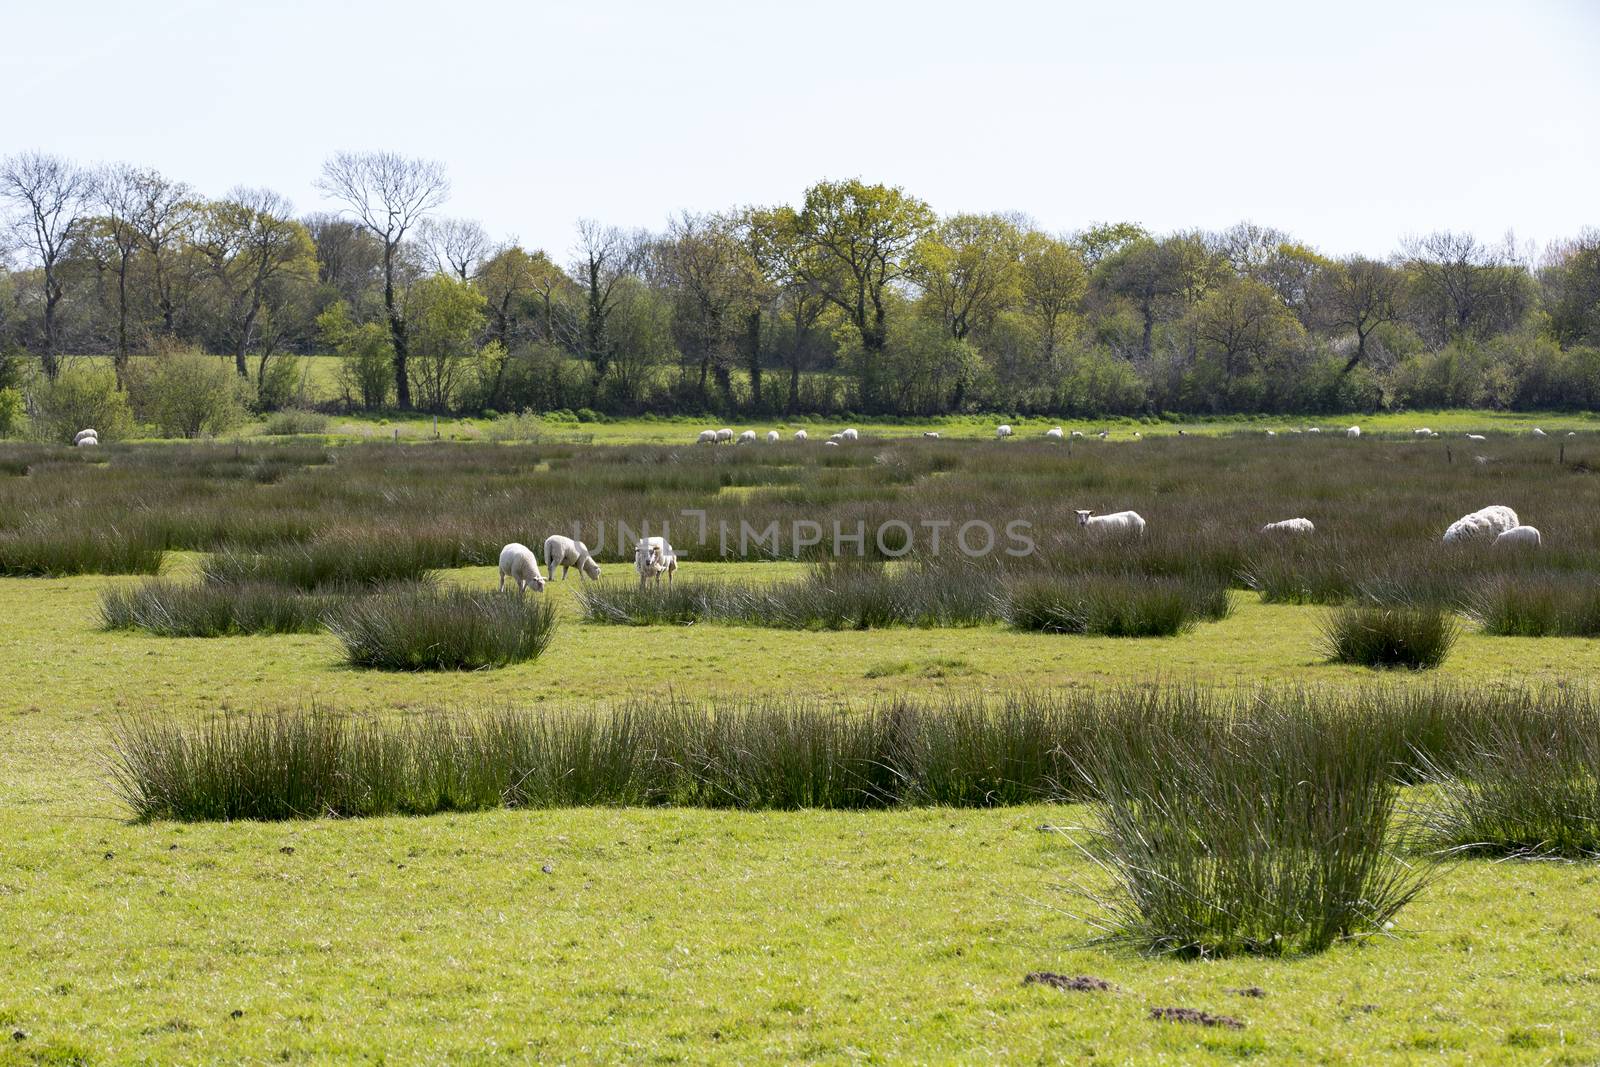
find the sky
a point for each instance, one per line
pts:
(1350, 126)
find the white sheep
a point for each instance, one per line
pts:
(707, 437)
(518, 562)
(653, 557)
(835, 438)
(724, 434)
(931, 435)
(1055, 433)
(830, 443)
(849, 434)
(78, 437)
(1103, 434)
(1352, 431)
(1290, 526)
(1422, 431)
(1272, 433)
(1315, 429)
(1520, 537)
(1002, 430)
(566, 553)
(88, 442)
(772, 436)
(1484, 523)
(1538, 432)
(748, 437)
(800, 435)
(1121, 522)
(1476, 437)
(1079, 433)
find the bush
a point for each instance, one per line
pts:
(291, 421)
(188, 393)
(443, 630)
(82, 396)
(1114, 607)
(1414, 637)
(1263, 834)
(13, 412)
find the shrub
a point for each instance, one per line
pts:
(455, 629)
(1266, 833)
(292, 421)
(1375, 636)
(186, 393)
(82, 396)
(13, 413)
(1113, 606)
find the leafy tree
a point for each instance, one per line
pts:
(788, 276)
(1362, 295)
(1053, 280)
(366, 358)
(512, 277)
(446, 317)
(81, 396)
(1571, 285)
(605, 256)
(1243, 326)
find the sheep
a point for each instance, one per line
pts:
(800, 435)
(1054, 433)
(748, 437)
(1519, 537)
(1485, 522)
(835, 438)
(830, 443)
(849, 434)
(931, 435)
(772, 437)
(1272, 433)
(1079, 433)
(1121, 522)
(724, 434)
(566, 553)
(1103, 434)
(1002, 430)
(78, 437)
(1538, 432)
(653, 557)
(517, 562)
(707, 437)
(1315, 429)
(1290, 526)
(1476, 437)
(1353, 431)
(1423, 431)
(88, 442)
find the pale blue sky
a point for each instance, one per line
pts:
(1349, 127)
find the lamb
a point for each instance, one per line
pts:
(1520, 537)
(849, 434)
(1079, 433)
(1002, 430)
(78, 437)
(1476, 437)
(748, 437)
(1485, 522)
(518, 563)
(1290, 526)
(566, 553)
(1353, 431)
(724, 434)
(800, 435)
(653, 557)
(1054, 433)
(707, 437)
(1103, 434)
(1121, 522)
(772, 437)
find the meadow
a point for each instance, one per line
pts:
(719, 911)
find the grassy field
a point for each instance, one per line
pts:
(669, 935)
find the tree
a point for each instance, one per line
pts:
(186, 393)
(51, 196)
(604, 257)
(1148, 274)
(704, 264)
(1359, 294)
(1053, 281)
(366, 360)
(1571, 284)
(1462, 288)
(164, 216)
(120, 196)
(512, 275)
(781, 256)
(349, 257)
(458, 245)
(859, 238)
(446, 317)
(1107, 239)
(389, 195)
(1242, 324)
(969, 270)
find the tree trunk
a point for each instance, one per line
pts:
(753, 356)
(120, 364)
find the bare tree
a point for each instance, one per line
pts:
(702, 261)
(120, 199)
(249, 239)
(390, 195)
(51, 196)
(603, 257)
(1360, 294)
(165, 212)
(459, 246)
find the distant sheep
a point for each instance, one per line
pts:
(1272, 433)
(1519, 537)
(1128, 523)
(1290, 526)
(707, 437)
(1352, 431)
(800, 435)
(1476, 437)
(1103, 434)
(1422, 431)
(931, 435)
(748, 437)
(1486, 522)
(772, 437)
(78, 437)
(653, 557)
(849, 434)
(1314, 429)
(1055, 433)
(1079, 433)
(835, 438)
(518, 563)
(1538, 432)
(1002, 430)
(831, 443)
(566, 553)
(88, 442)
(724, 434)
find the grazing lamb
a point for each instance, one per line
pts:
(1484, 523)
(653, 557)
(566, 553)
(1055, 433)
(1290, 526)
(1520, 537)
(748, 437)
(1476, 437)
(707, 437)
(772, 436)
(931, 435)
(518, 563)
(1002, 430)
(1079, 433)
(78, 437)
(800, 435)
(724, 434)
(1121, 522)
(1353, 431)
(849, 434)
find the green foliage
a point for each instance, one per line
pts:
(83, 396)
(443, 630)
(366, 356)
(1539, 605)
(186, 393)
(211, 609)
(290, 421)
(1417, 638)
(45, 549)
(445, 317)
(13, 412)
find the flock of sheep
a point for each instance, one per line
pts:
(652, 557)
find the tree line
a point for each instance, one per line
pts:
(861, 297)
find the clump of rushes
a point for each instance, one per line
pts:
(1538, 605)
(426, 629)
(335, 560)
(212, 609)
(50, 550)
(1418, 638)
(1114, 606)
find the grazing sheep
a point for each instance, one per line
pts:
(78, 437)
(566, 553)
(1572, 433)
(1103, 434)
(748, 437)
(772, 437)
(1054, 433)
(1002, 430)
(1476, 437)
(1538, 432)
(1137, 436)
(707, 437)
(1422, 431)
(1079, 433)
(653, 557)
(1314, 429)
(849, 434)
(88, 442)
(724, 434)
(1290, 526)
(831, 443)
(1520, 537)
(835, 438)
(800, 435)
(1353, 431)
(1483, 523)
(517, 562)
(931, 435)
(1272, 433)
(1121, 522)
(1296, 431)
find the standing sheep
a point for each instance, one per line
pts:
(748, 437)
(724, 434)
(517, 562)
(1054, 433)
(1519, 537)
(1290, 526)
(1476, 437)
(707, 437)
(1122, 522)
(653, 557)
(1315, 429)
(88, 442)
(772, 436)
(1422, 432)
(78, 437)
(800, 435)
(849, 434)
(1002, 430)
(1353, 431)
(931, 435)
(1485, 522)
(1538, 432)
(1079, 433)
(566, 553)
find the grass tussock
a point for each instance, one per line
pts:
(1114, 607)
(340, 560)
(1417, 638)
(429, 629)
(45, 550)
(1538, 605)
(211, 609)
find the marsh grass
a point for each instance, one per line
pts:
(212, 609)
(1113, 606)
(340, 560)
(431, 629)
(1538, 605)
(46, 550)
(1418, 638)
